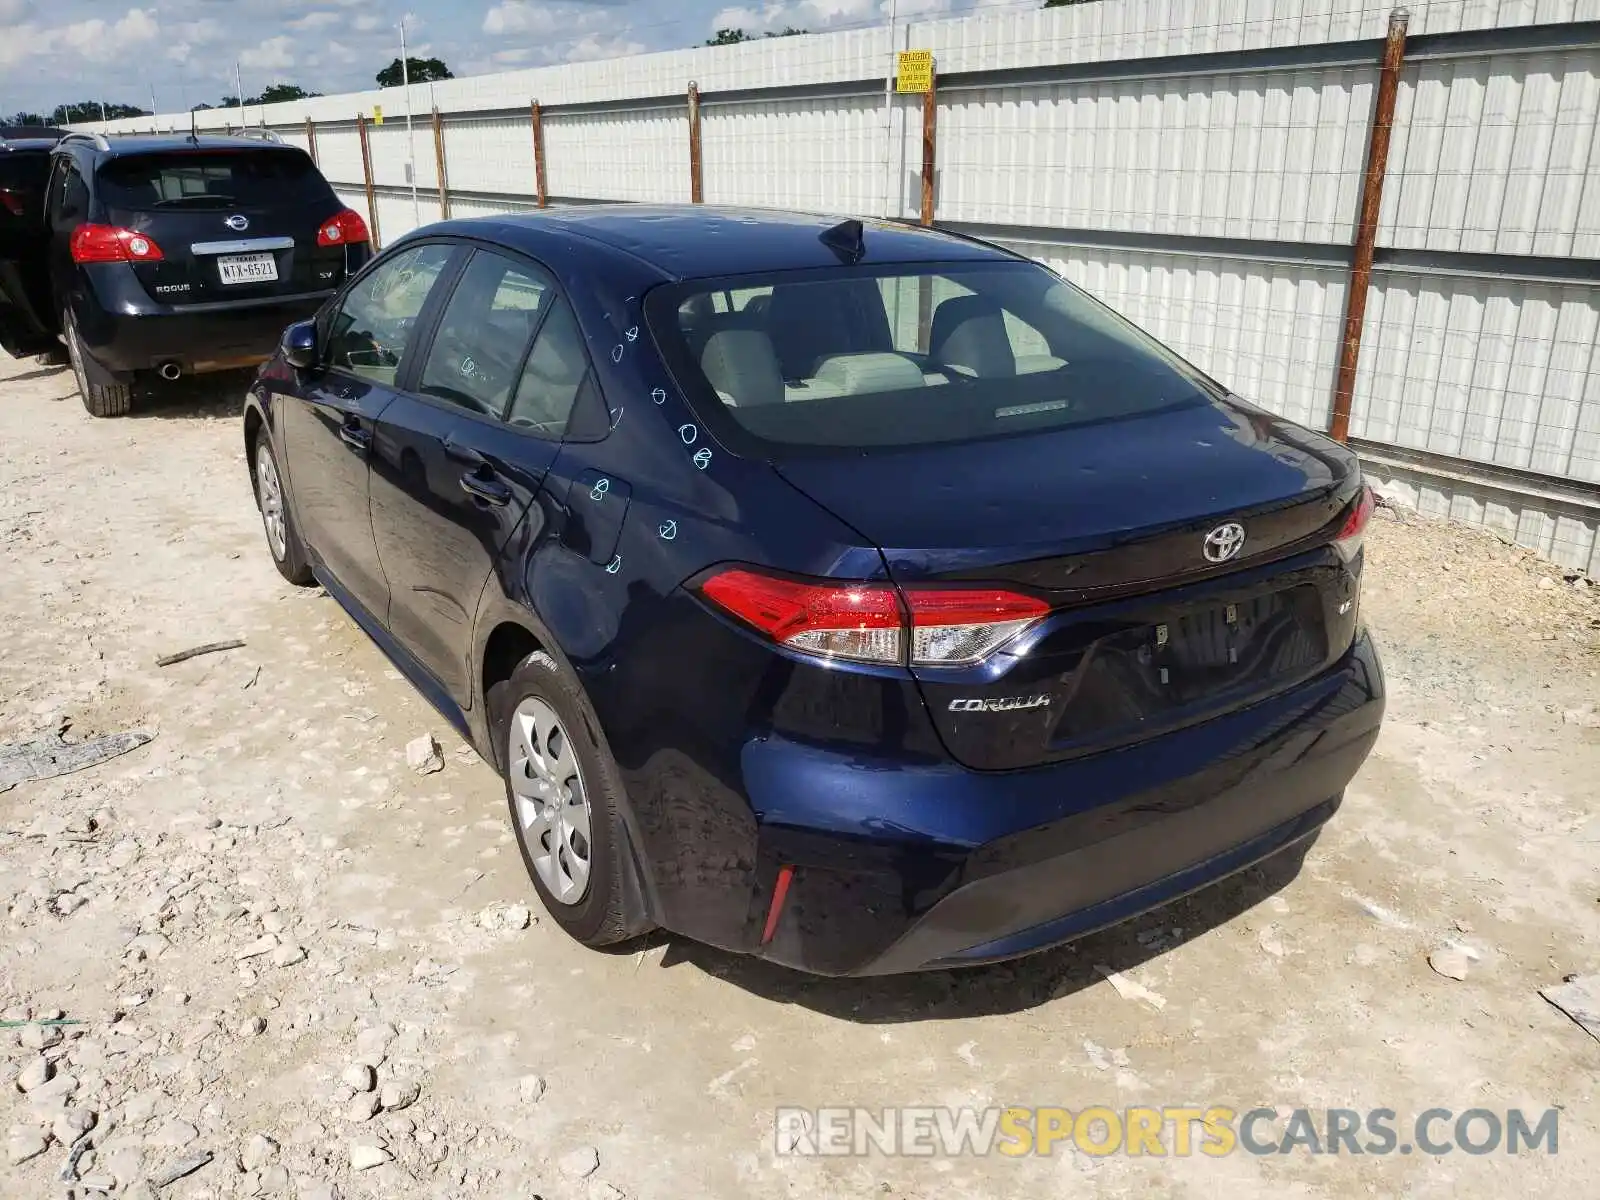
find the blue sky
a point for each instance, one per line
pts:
(58, 50)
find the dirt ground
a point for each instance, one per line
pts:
(264, 900)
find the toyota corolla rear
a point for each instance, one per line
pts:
(1101, 644)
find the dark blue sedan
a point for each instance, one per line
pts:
(859, 596)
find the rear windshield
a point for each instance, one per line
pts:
(212, 179)
(858, 359)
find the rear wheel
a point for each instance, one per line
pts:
(563, 788)
(108, 400)
(283, 539)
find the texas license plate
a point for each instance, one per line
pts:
(248, 268)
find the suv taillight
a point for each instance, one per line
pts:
(1348, 540)
(344, 229)
(11, 201)
(875, 622)
(110, 243)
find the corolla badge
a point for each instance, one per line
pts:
(238, 222)
(1224, 542)
(1001, 704)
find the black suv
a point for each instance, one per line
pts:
(165, 254)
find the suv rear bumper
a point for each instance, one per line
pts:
(124, 330)
(908, 868)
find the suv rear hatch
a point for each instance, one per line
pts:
(231, 224)
(1108, 525)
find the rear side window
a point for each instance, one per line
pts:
(212, 179)
(556, 371)
(881, 358)
(368, 333)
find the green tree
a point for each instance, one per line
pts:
(25, 118)
(732, 37)
(279, 92)
(84, 111)
(421, 70)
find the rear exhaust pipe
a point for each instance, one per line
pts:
(170, 371)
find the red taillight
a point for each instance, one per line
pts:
(109, 243)
(344, 229)
(872, 622)
(1348, 540)
(11, 201)
(858, 621)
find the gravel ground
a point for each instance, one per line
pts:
(300, 968)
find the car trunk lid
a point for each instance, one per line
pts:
(1108, 523)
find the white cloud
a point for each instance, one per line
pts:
(98, 40)
(200, 33)
(339, 52)
(319, 19)
(600, 45)
(366, 23)
(14, 10)
(274, 54)
(521, 16)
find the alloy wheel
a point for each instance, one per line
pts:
(272, 515)
(552, 804)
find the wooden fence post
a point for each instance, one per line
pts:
(696, 180)
(439, 162)
(1394, 53)
(311, 140)
(538, 156)
(366, 171)
(930, 117)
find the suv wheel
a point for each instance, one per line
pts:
(113, 400)
(563, 787)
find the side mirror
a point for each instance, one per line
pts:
(300, 345)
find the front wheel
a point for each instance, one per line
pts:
(283, 539)
(111, 400)
(564, 792)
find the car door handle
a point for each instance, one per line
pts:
(481, 487)
(463, 453)
(357, 438)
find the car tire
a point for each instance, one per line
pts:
(542, 697)
(112, 400)
(277, 519)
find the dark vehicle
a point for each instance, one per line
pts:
(865, 598)
(164, 254)
(24, 293)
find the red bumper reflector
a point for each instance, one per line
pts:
(779, 891)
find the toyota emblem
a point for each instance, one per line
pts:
(238, 222)
(1224, 542)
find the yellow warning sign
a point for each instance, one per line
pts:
(377, 115)
(914, 71)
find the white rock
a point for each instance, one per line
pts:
(53, 1093)
(97, 1181)
(361, 1108)
(531, 1087)
(39, 1037)
(274, 922)
(252, 1027)
(258, 1152)
(275, 1180)
(71, 1123)
(423, 755)
(309, 1189)
(25, 1144)
(67, 903)
(579, 1163)
(34, 1075)
(606, 1191)
(1451, 961)
(142, 1106)
(398, 1094)
(265, 944)
(1546, 584)
(288, 956)
(176, 1134)
(366, 1153)
(360, 1077)
(139, 1191)
(518, 916)
(489, 918)
(372, 1044)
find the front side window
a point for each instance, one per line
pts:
(880, 358)
(477, 352)
(369, 332)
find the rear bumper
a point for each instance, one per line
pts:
(124, 330)
(903, 869)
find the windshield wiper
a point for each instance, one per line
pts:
(208, 198)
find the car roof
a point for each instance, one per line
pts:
(148, 143)
(691, 241)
